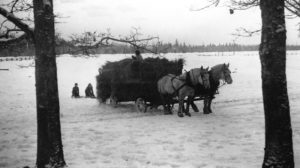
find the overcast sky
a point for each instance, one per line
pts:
(168, 19)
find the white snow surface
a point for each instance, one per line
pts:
(98, 135)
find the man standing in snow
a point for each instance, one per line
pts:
(75, 91)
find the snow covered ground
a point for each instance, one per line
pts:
(97, 135)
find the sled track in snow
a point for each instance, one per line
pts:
(247, 101)
(127, 111)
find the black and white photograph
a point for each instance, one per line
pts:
(149, 83)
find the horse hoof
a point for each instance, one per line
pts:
(206, 111)
(188, 114)
(180, 115)
(168, 113)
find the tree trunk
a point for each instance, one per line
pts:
(278, 130)
(49, 149)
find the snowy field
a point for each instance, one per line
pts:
(102, 136)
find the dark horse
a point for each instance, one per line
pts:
(217, 73)
(170, 86)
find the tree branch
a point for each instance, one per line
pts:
(23, 26)
(243, 32)
(14, 40)
(293, 6)
(132, 42)
(7, 33)
(93, 40)
(243, 5)
(212, 3)
(14, 3)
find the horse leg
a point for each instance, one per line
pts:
(205, 108)
(180, 114)
(183, 107)
(195, 108)
(171, 107)
(187, 110)
(168, 105)
(164, 104)
(209, 104)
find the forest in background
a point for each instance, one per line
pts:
(25, 48)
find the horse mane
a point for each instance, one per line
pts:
(215, 70)
(217, 67)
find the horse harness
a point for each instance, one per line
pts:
(177, 90)
(188, 82)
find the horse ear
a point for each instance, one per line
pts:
(201, 67)
(228, 65)
(207, 68)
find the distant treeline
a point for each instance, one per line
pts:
(26, 48)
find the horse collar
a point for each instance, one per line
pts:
(173, 78)
(176, 90)
(188, 79)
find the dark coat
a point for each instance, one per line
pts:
(75, 92)
(89, 92)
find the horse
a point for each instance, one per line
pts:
(180, 86)
(193, 79)
(217, 73)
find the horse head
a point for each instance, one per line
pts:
(226, 74)
(221, 72)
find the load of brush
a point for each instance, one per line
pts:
(129, 79)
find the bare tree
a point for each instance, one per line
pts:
(50, 151)
(49, 148)
(272, 51)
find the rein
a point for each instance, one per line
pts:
(222, 84)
